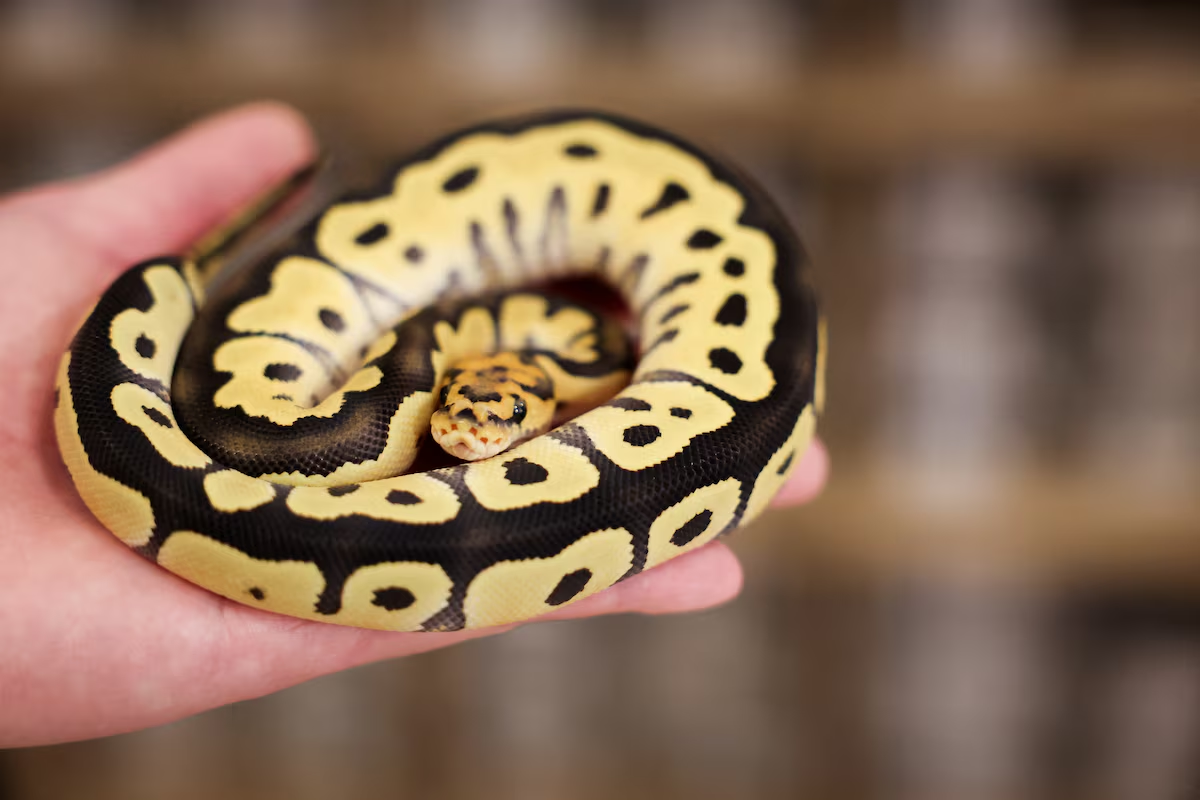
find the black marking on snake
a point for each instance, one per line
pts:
(672, 194)
(342, 491)
(672, 285)
(724, 359)
(400, 497)
(733, 311)
(157, 416)
(373, 234)
(682, 413)
(460, 180)
(641, 435)
(581, 150)
(632, 275)
(523, 472)
(512, 222)
(600, 204)
(282, 372)
(145, 346)
(286, 397)
(479, 396)
(703, 239)
(139, 295)
(332, 320)
(689, 530)
(328, 361)
(554, 231)
(734, 267)
(673, 312)
(257, 593)
(542, 390)
(569, 587)
(787, 463)
(519, 410)
(483, 253)
(600, 265)
(413, 254)
(393, 598)
(666, 336)
(630, 404)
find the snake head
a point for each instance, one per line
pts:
(486, 405)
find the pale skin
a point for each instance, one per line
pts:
(95, 640)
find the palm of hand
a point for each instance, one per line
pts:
(94, 640)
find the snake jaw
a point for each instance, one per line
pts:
(468, 446)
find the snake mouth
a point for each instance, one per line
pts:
(467, 446)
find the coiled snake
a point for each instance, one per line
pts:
(259, 451)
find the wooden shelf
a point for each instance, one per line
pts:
(845, 117)
(1051, 524)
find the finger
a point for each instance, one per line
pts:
(161, 201)
(808, 480)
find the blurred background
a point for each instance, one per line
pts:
(999, 594)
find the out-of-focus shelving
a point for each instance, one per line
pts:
(1056, 524)
(859, 116)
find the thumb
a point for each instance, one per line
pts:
(171, 194)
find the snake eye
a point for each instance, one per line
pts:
(444, 396)
(519, 410)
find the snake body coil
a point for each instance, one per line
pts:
(258, 450)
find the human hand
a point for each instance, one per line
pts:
(95, 640)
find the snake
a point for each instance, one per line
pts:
(251, 424)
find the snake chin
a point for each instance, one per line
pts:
(468, 447)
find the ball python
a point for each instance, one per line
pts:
(249, 429)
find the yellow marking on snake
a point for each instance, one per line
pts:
(231, 491)
(414, 499)
(514, 590)
(694, 521)
(147, 341)
(262, 383)
(153, 416)
(781, 465)
(310, 301)
(124, 511)
(394, 597)
(657, 422)
(527, 322)
(286, 587)
(542, 470)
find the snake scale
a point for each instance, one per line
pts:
(250, 432)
